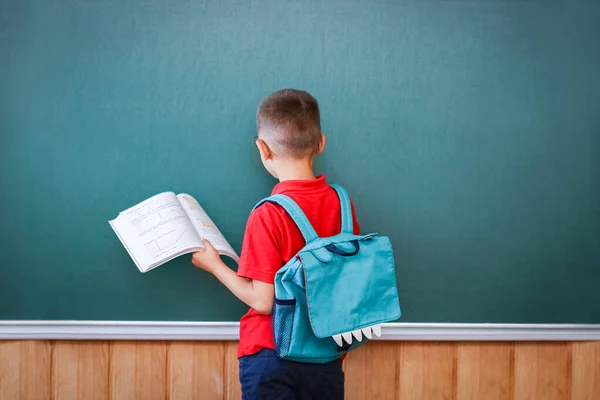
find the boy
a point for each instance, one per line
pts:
(289, 138)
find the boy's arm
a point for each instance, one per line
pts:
(256, 294)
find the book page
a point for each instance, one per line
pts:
(156, 230)
(205, 227)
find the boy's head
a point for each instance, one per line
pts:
(289, 128)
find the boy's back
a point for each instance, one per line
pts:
(272, 239)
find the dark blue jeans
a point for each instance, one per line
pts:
(264, 377)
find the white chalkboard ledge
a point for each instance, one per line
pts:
(164, 330)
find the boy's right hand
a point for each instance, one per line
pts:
(207, 258)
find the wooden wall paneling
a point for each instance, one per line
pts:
(196, 370)
(138, 370)
(100, 370)
(428, 370)
(80, 370)
(542, 371)
(585, 367)
(485, 371)
(25, 370)
(233, 390)
(371, 372)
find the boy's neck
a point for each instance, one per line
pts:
(295, 170)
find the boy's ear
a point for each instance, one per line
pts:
(263, 149)
(322, 143)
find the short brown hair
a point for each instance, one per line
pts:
(289, 120)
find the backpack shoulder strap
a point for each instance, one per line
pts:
(346, 207)
(295, 212)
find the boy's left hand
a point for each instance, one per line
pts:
(208, 258)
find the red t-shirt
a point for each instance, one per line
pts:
(272, 239)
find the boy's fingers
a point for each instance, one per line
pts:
(206, 243)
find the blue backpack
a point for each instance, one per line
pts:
(335, 293)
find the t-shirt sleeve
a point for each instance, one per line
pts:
(261, 252)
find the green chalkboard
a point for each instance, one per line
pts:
(467, 131)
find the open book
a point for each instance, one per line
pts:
(166, 226)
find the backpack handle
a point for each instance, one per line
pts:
(336, 250)
(346, 207)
